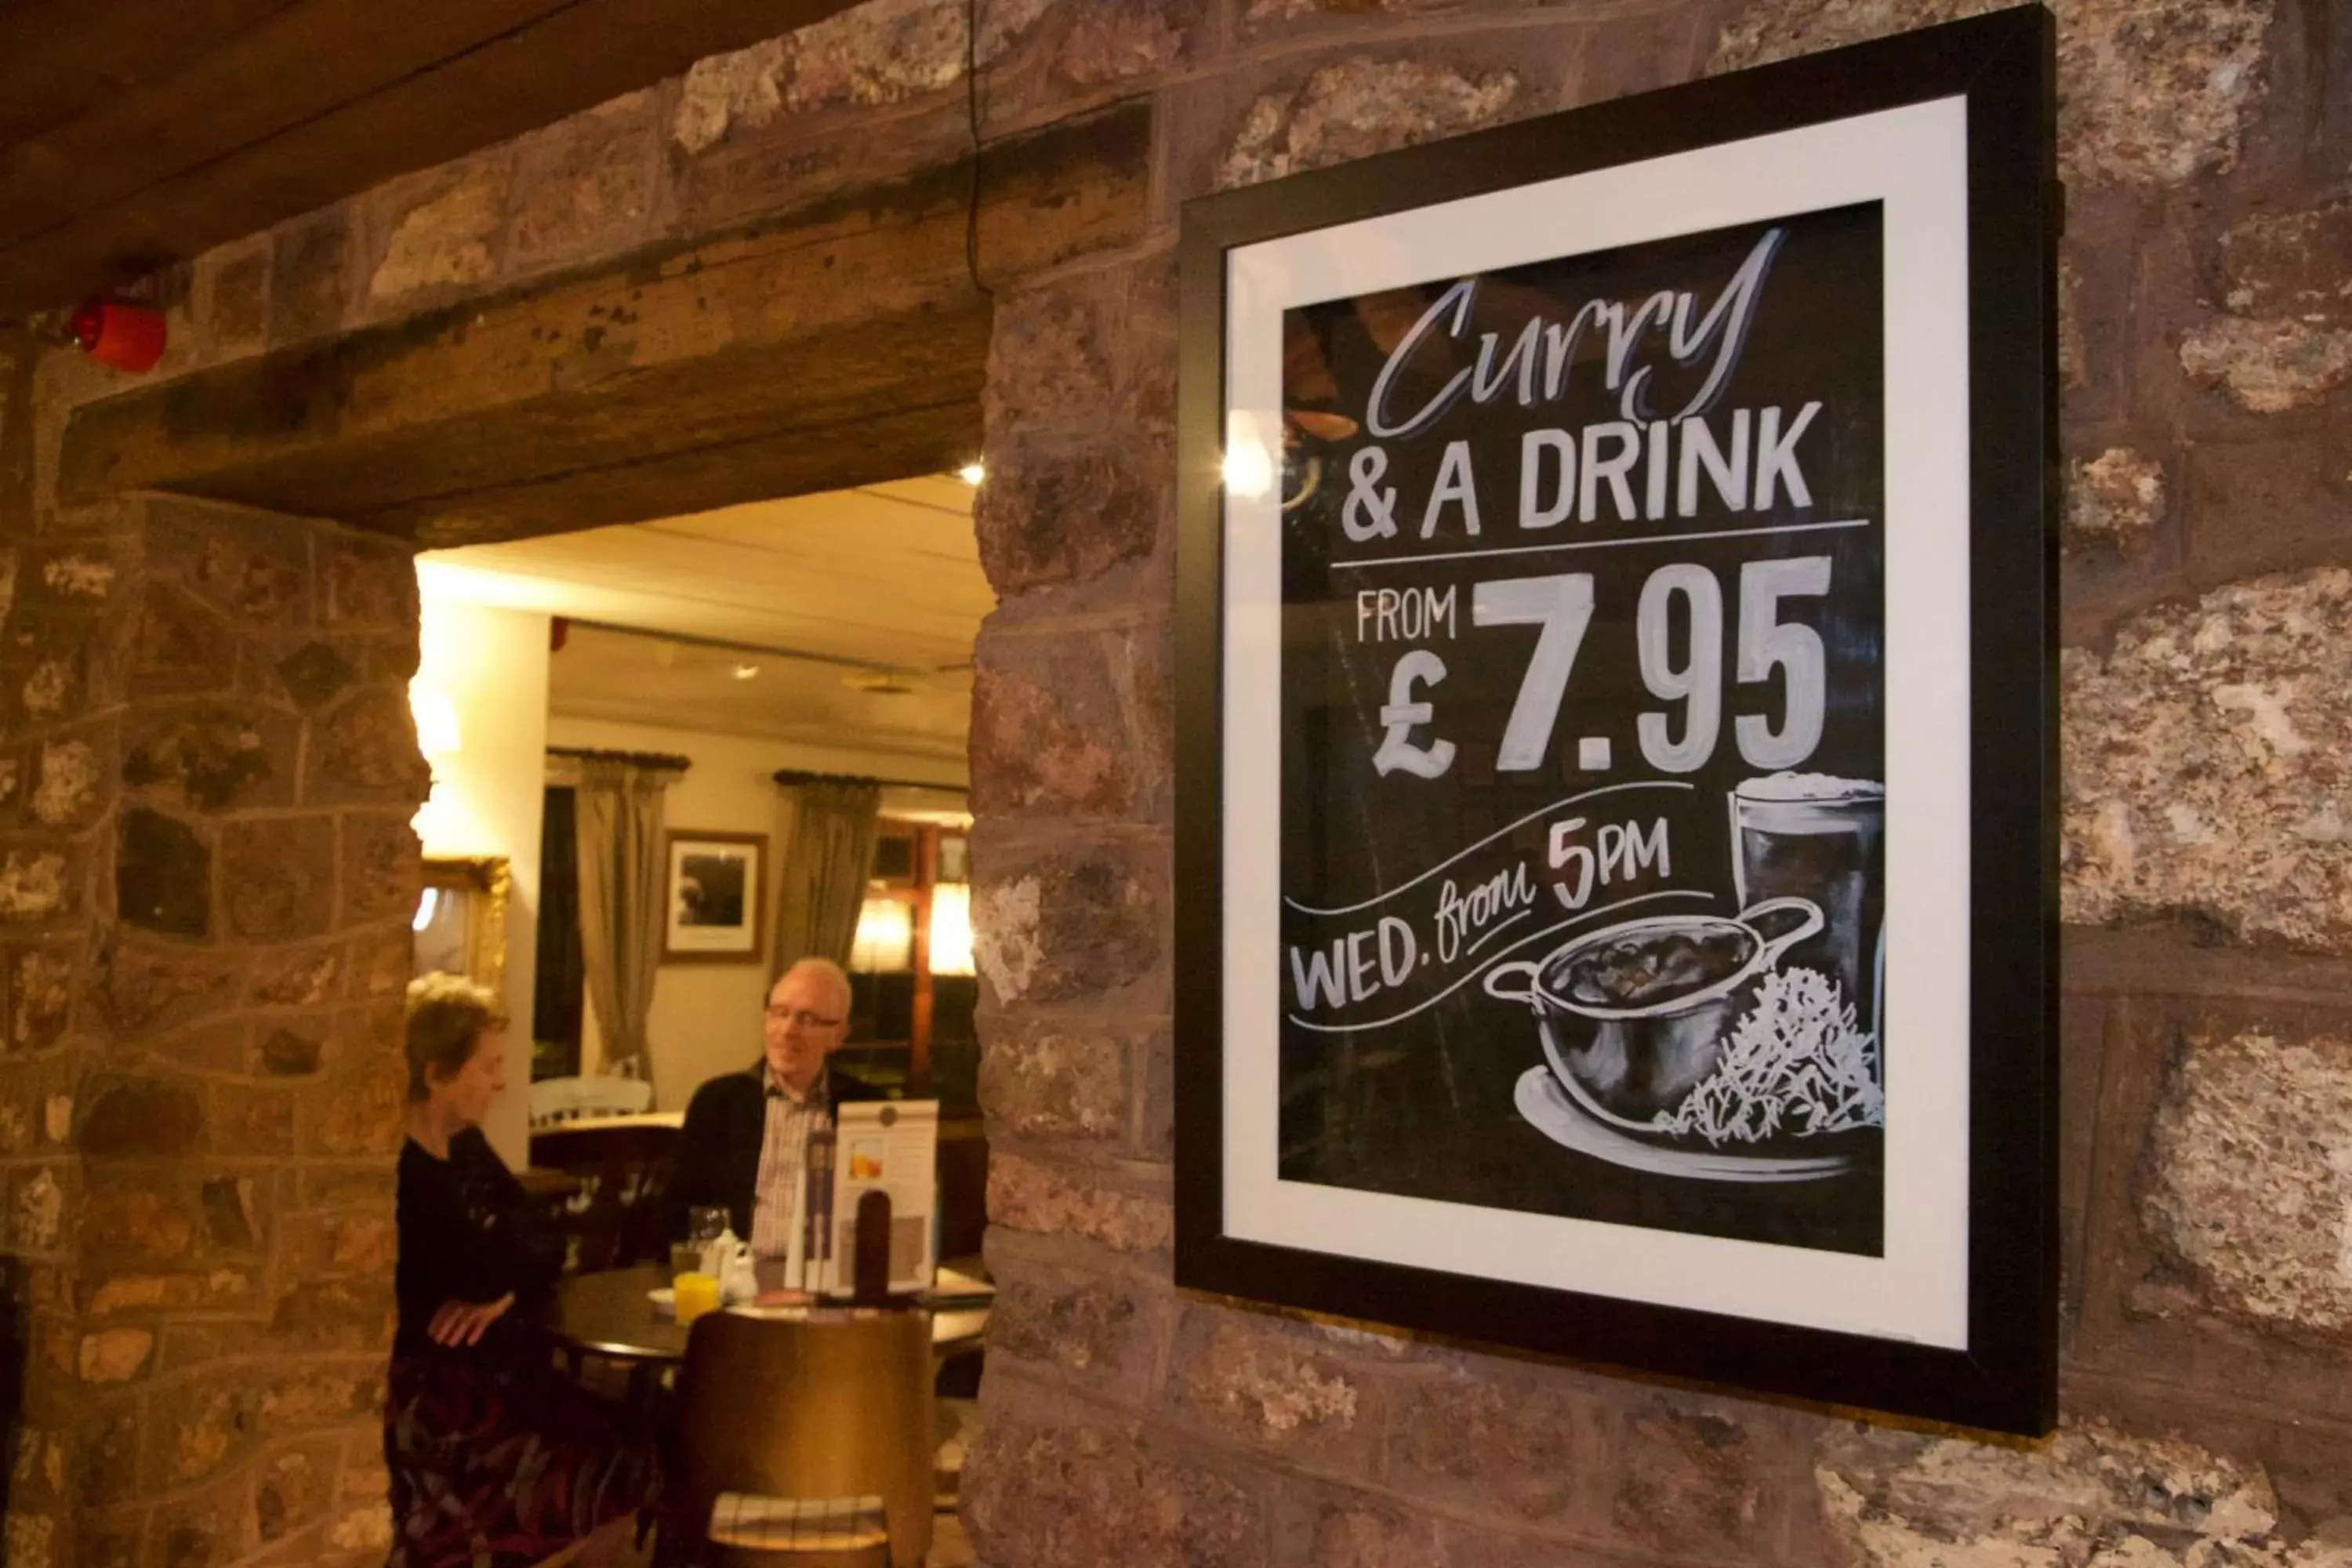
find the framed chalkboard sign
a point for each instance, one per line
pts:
(1615, 841)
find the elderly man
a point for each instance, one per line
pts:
(745, 1147)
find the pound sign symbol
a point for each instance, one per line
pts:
(1397, 750)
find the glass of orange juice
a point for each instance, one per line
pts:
(697, 1293)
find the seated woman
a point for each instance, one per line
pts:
(497, 1460)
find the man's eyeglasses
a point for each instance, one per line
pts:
(802, 1017)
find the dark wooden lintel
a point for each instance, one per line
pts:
(842, 344)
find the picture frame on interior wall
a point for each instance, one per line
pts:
(714, 907)
(1616, 826)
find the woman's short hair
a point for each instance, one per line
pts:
(447, 1017)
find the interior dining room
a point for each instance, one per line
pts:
(764, 710)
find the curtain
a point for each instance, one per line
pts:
(622, 871)
(824, 838)
(555, 997)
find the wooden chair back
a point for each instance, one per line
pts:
(616, 1219)
(832, 1406)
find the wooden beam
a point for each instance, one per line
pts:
(58, 58)
(321, 99)
(841, 344)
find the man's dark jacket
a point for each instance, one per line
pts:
(719, 1151)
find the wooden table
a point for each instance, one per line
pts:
(608, 1314)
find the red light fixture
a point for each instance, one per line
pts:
(117, 332)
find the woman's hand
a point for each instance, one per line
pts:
(463, 1323)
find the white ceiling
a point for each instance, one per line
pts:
(874, 587)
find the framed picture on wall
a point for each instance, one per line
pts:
(715, 898)
(1615, 841)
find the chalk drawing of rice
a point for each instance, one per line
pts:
(1795, 1065)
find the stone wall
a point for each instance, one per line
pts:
(205, 799)
(2206, 351)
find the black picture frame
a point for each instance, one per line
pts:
(2004, 1377)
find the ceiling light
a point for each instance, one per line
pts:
(746, 672)
(971, 474)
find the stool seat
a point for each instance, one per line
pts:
(754, 1523)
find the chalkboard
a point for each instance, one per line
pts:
(1615, 767)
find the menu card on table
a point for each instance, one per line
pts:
(888, 1146)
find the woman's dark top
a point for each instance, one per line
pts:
(466, 1233)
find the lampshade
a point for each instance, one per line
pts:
(952, 928)
(885, 943)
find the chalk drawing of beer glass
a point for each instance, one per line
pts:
(1811, 837)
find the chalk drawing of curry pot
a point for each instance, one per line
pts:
(1675, 1045)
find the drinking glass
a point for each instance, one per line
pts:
(685, 1258)
(706, 1223)
(1822, 839)
(697, 1294)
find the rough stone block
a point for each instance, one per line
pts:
(369, 581)
(295, 977)
(1065, 354)
(364, 751)
(1322, 1527)
(252, 566)
(250, 1120)
(2250, 1176)
(381, 871)
(294, 1488)
(71, 571)
(1271, 1385)
(41, 984)
(36, 886)
(1098, 1330)
(441, 229)
(211, 756)
(153, 985)
(115, 1356)
(145, 1220)
(2093, 1495)
(233, 295)
(1046, 1077)
(2149, 91)
(1054, 1199)
(139, 1119)
(164, 875)
(1078, 724)
(323, 1395)
(1067, 923)
(587, 185)
(1525, 1439)
(363, 1244)
(2262, 505)
(179, 645)
(1697, 1478)
(277, 877)
(1358, 107)
(309, 275)
(72, 774)
(2295, 265)
(2114, 499)
(315, 673)
(334, 1315)
(286, 1052)
(2268, 366)
(1063, 513)
(1081, 1493)
(2203, 763)
(354, 1113)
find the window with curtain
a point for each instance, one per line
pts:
(556, 996)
